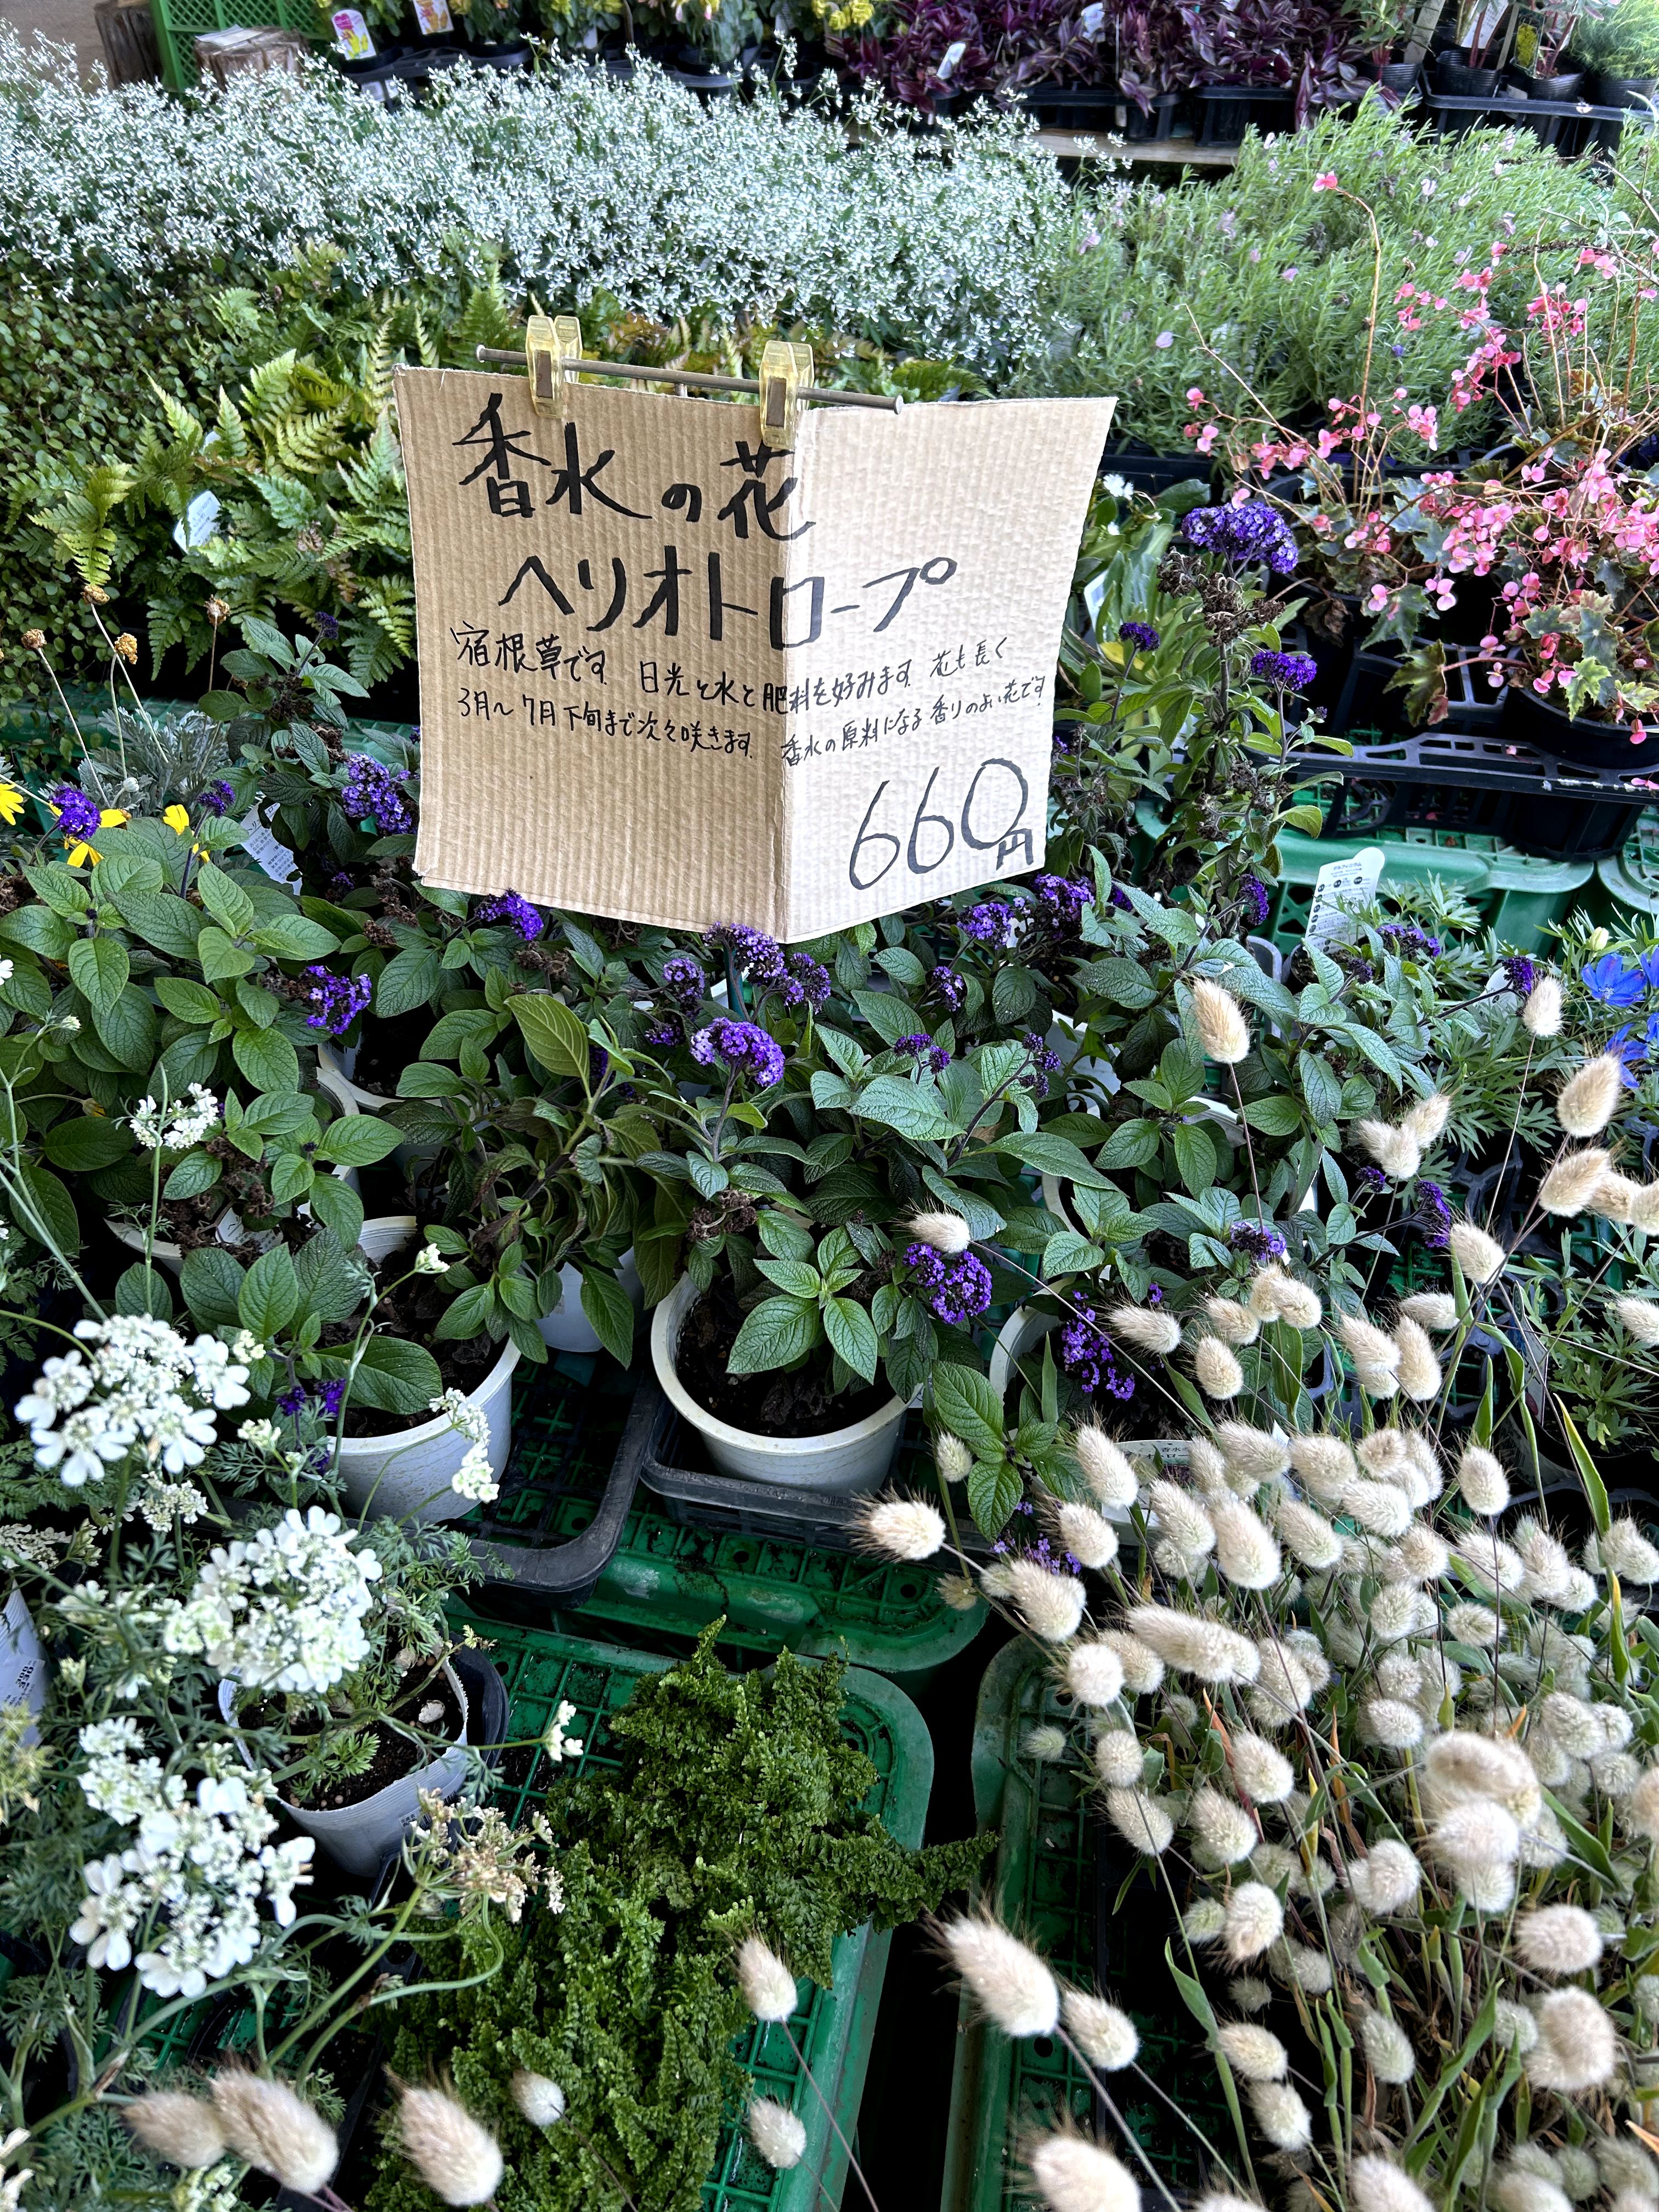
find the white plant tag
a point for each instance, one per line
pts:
(275, 860)
(953, 54)
(1339, 885)
(22, 1663)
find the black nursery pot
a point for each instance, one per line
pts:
(1399, 76)
(501, 53)
(1621, 91)
(1157, 125)
(1458, 81)
(1576, 737)
(1564, 86)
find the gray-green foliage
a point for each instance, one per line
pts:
(1623, 42)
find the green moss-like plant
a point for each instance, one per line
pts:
(735, 1809)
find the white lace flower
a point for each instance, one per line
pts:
(468, 1419)
(284, 1610)
(175, 1129)
(474, 1478)
(429, 1260)
(143, 1388)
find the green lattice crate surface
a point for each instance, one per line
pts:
(1631, 877)
(179, 23)
(833, 2027)
(1515, 894)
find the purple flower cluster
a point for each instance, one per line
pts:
(1141, 635)
(329, 1396)
(327, 626)
(921, 1046)
(77, 815)
(1255, 1241)
(1287, 671)
(1052, 1561)
(1246, 534)
(1372, 1181)
(1405, 938)
(743, 1048)
(683, 980)
(957, 1291)
(797, 978)
(338, 999)
(1085, 1353)
(993, 922)
(1061, 900)
(1253, 892)
(371, 790)
(949, 988)
(1041, 1062)
(1519, 973)
(517, 913)
(1433, 1215)
(1119, 898)
(216, 798)
(662, 1036)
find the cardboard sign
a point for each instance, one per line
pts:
(669, 675)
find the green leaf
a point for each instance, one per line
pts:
(777, 1332)
(1595, 1489)
(127, 1029)
(610, 1311)
(1277, 1116)
(212, 1282)
(914, 1109)
(291, 1178)
(219, 958)
(225, 899)
(993, 1490)
(786, 1238)
(333, 1278)
(408, 980)
(357, 1140)
(194, 1173)
(965, 1403)
(888, 1015)
(98, 969)
(267, 1059)
(44, 1200)
(1054, 1156)
(553, 1035)
(270, 1295)
(1131, 1144)
(188, 1000)
(795, 1276)
(1310, 820)
(462, 1025)
(38, 929)
(171, 924)
(292, 937)
(1319, 1087)
(1068, 1254)
(465, 1315)
(852, 1335)
(392, 1377)
(142, 1290)
(339, 1207)
(1196, 1158)
(86, 1142)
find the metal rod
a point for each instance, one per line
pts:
(695, 380)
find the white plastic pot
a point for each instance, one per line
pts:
(335, 1069)
(844, 1460)
(406, 1474)
(567, 1328)
(1023, 1331)
(358, 1837)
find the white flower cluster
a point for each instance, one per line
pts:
(556, 1743)
(474, 1478)
(159, 1129)
(143, 1386)
(283, 1611)
(189, 1885)
(584, 182)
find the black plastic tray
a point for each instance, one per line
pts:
(670, 1463)
(1472, 781)
(511, 1537)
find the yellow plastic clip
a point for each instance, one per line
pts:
(784, 368)
(550, 345)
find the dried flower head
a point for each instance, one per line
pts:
(1426, 1119)
(1223, 1034)
(1570, 1184)
(1094, 1673)
(777, 2133)
(1050, 1605)
(1480, 1257)
(1194, 1645)
(539, 2099)
(1119, 1759)
(1140, 1821)
(1147, 1328)
(1233, 1323)
(1326, 1464)
(1590, 1097)
(952, 1457)
(1419, 1371)
(946, 1232)
(265, 2123)
(1388, 1877)
(1252, 1451)
(184, 2130)
(1255, 2053)
(1542, 1012)
(1306, 1536)
(1105, 1467)
(1245, 1551)
(1431, 1309)
(1376, 2185)
(1072, 2175)
(1281, 2115)
(768, 1984)
(1387, 2048)
(457, 2157)
(1224, 1831)
(1105, 2035)
(1010, 1982)
(1637, 1317)
(1396, 1151)
(1559, 1939)
(900, 1527)
(1087, 1535)
(1218, 1371)
(1577, 2048)
(1481, 1479)
(1256, 1920)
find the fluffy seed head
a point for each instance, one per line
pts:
(1419, 1371)
(1325, 1464)
(1570, 1184)
(1140, 1821)
(1481, 1479)
(1194, 1645)
(1256, 2054)
(957, 1592)
(1256, 1919)
(1094, 1673)
(1006, 1976)
(1281, 2115)
(1143, 1670)
(1375, 2185)
(768, 1985)
(1104, 1467)
(1046, 1741)
(1378, 1507)
(1223, 1034)
(952, 1457)
(1299, 1304)
(1253, 1451)
(1637, 1317)
(1387, 1879)
(1387, 2048)
(900, 1527)
(1051, 1605)
(1427, 1118)
(777, 2133)
(1644, 1213)
(1577, 2048)
(266, 2124)
(1245, 1551)
(1118, 1758)
(540, 2099)
(184, 2130)
(459, 2160)
(1515, 2188)
(946, 1232)
(1106, 2036)
(1396, 1151)
(1207, 1466)
(1396, 1726)
(1589, 1098)
(1182, 1519)
(1479, 1256)
(1463, 1766)
(1369, 1346)
(1641, 1806)
(1627, 1551)
(1218, 1371)
(1559, 1939)
(1072, 2175)
(1087, 1535)
(1306, 1536)
(1147, 1328)
(1261, 1770)
(1226, 1830)
(1542, 1011)
(1615, 1197)
(1433, 1309)
(1231, 1320)
(1474, 1838)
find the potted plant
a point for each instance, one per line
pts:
(1542, 35)
(1580, 676)
(1619, 47)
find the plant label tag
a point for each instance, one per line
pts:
(22, 1663)
(590, 40)
(273, 859)
(351, 35)
(1092, 19)
(948, 60)
(1338, 885)
(671, 674)
(433, 16)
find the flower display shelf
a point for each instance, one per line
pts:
(835, 2027)
(1567, 124)
(1518, 894)
(1473, 781)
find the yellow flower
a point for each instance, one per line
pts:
(177, 819)
(11, 803)
(127, 645)
(80, 852)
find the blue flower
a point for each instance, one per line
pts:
(338, 999)
(1250, 533)
(957, 1291)
(371, 790)
(993, 922)
(951, 987)
(517, 913)
(1608, 980)
(1286, 672)
(1649, 964)
(1632, 1050)
(744, 1048)
(1141, 635)
(77, 815)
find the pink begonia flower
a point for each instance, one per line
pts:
(1325, 181)
(1194, 395)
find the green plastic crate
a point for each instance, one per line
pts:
(667, 1579)
(1517, 896)
(1630, 878)
(179, 23)
(835, 2027)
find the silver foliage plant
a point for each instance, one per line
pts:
(1387, 1737)
(584, 183)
